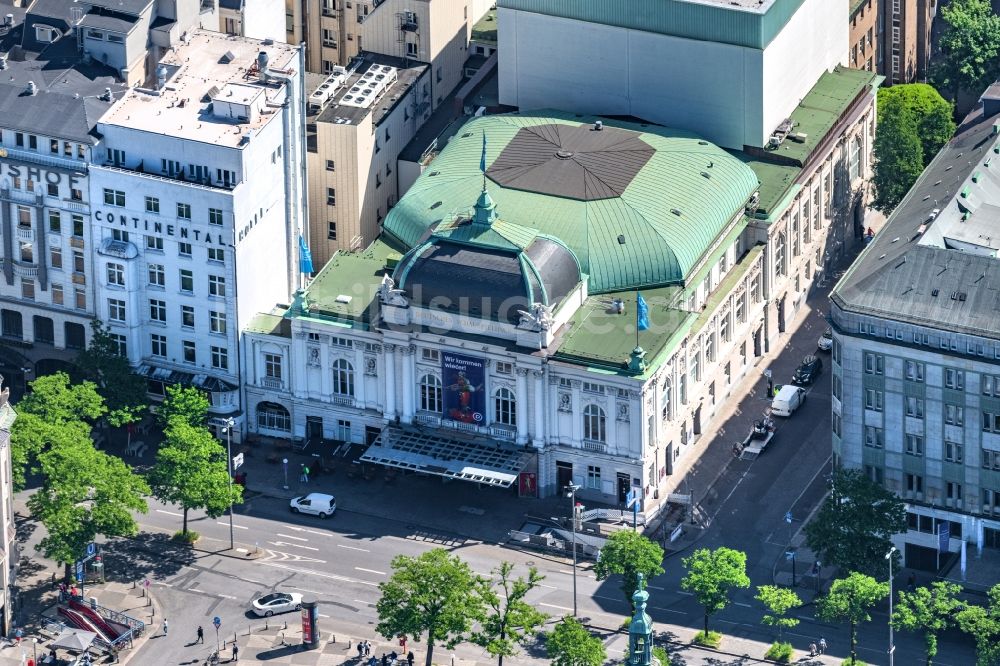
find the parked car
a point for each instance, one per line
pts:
(316, 504)
(788, 399)
(825, 340)
(277, 602)
(807, 373)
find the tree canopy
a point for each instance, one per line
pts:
(851, 599)
(711, 574)
(508, 619)
(185, 402)
(931, 114)
(628, 554)
(433, 593)
(853, 528)
(124, 392)
(969, 46)
(898, 154)
(570, 644)
(930, 610)
(778, 601)
(983, 624)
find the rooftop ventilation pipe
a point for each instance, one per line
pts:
(262, 72)
(161, 77)
(32, 88)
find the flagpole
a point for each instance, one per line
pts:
(637, 320)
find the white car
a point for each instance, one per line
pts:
(277, 602)
(316, 504)
(825, 340)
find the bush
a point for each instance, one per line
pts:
(847, 662)
(712, 639)
(188, 537)
(781, 652)
(661, 655)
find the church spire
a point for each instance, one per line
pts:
(485, 210)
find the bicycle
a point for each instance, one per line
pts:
(213, 658)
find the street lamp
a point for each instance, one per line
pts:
(571, 489)
(892, 645)
(227, 427)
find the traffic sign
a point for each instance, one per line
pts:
(79, 571)
(217, 621)
(631, 497)
(91, 548)
(788, 517)
(789, 555)
(237, 461)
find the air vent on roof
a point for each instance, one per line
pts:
(675, 211)
(935, 292)
(958, 296)
(227, 57)
(621, 239)
(344, 299)
(32, 88)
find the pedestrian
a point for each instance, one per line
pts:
(822, 645)
(305, 474)
(165, 626)
(361, 649)
(201, 635)
(236, 652)
(911, 583)
(409, 658)
(368, 648)
(385, 659)
(812, 649)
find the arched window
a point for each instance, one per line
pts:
(666, 397)
(779, 255)
(273, 416)
(430, 394)
(854, 163)
(343, 378)
(594, 424)
(796, 244)
(505, 407)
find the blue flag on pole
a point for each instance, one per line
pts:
(482, 160)
(641, 312)
(305, 257)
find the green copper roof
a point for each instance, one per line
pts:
(668, 214)
(740, 22)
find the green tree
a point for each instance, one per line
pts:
(931, 113)
(898, 155)
(930, 610)
(570, 644)
(849, 600)
(711, 574)
(124, 392)
(629, 554)
(85, 493)
(186, 402)
(191, 470)
(778, 601)
(433, 593)
(983, 624)
(53, 411)
(969, 45)
(853, 528)
(508, 619)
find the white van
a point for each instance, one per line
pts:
(317, 504)
(789, 399)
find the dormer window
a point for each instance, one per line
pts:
(45, 34)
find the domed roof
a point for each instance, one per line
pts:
(638, 205)
(482, 267)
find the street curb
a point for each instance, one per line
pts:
(692, 645)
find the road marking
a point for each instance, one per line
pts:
(554, 606)
(321, 574)
(363, 550)
(289, 536)
(164, 584)
(551, 587)
(321, 615)
(668, 610)
(373, 571)
(739, 603)
(565, 571)
(225, 596)
(653, 587)
(239, 527)
(366, 603)
(170, 513)
(296, 545)
(686, 594)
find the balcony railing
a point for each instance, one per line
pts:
(346, 400)
(272, 382)
(26, 233)
(594, 445)
(502, 431)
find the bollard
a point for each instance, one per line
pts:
(333, 639)
(349, 641)
(284, 625)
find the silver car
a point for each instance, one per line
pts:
(277, 602)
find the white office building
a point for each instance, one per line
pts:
(198, 207)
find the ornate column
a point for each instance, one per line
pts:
(408, 353)
(539, 430)
(577, 413)
(359, 376)
(389, 354)
(522, 412)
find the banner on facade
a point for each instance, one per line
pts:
(527, 485)
(944, 536)
(463, 379)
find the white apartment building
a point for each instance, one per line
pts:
(257, 19)
(359, 121)
(11, 549)
(199, 203)
(730, 70)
